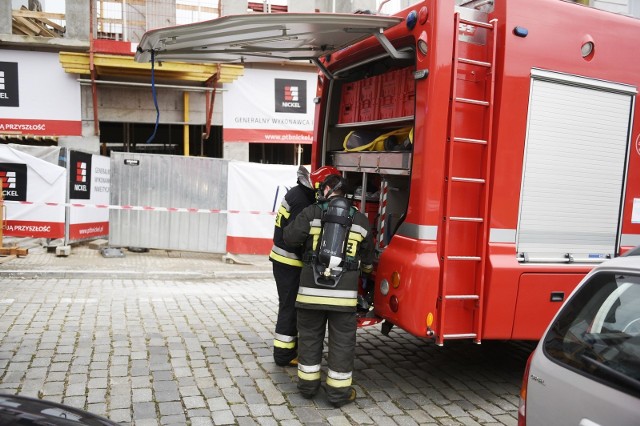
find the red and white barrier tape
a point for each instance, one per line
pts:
(141, 208)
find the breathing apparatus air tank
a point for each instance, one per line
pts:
(331, 251)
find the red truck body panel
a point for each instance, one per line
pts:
(516, 296)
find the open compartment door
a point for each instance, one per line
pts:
(261, 37)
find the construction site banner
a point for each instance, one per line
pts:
(89, 184)
(254, 190)
(36, 191)
(264, 106)
(37, 97)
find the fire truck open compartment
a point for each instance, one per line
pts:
(374, 98)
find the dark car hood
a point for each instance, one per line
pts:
(23, 410)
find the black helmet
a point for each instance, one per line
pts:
(337, 184)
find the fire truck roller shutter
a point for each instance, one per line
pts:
(574, 168)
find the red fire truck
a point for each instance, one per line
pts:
(518, 167)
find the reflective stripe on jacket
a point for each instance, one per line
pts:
(280, 255)
(326, 296)
(294, 201)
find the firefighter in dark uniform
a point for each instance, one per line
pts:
(287, 262)
(338, 243)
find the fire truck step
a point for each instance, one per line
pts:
(474, 258)
(460, 336)
(472, 101)
(466, 219)
(462, 297)
(474, 62)
(468, 180)
(469, 140)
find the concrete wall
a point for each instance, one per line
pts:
(77, 19)
(160, 13)
(341, 6)
(364, 5)
(238, 151)
(233, 7)
(89, 143)
(134, 29)
(5, 17)
(135, 105)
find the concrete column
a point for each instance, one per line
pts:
(327, 6)
(234, 7)
(5, 17)
(301, 6)
(406, 3)
(160, 14)
(364, 5)
(342, 6)
(77, 18)
(81, 143)
(235, 151)
(391, 8)
(135, 25)
(88, 141)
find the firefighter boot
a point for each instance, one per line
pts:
(349, 399)
(308, 380)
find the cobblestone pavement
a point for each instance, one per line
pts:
(173, 351)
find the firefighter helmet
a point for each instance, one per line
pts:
(320, 174)
(303, 177)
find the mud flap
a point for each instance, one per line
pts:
(386, 328)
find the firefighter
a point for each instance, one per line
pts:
(337, 241)
(287, 262)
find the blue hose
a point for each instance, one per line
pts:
(155, 97)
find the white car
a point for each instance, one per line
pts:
(585, 370)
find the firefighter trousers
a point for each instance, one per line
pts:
(312, 324)
(285, 341)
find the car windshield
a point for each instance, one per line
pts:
(597, 333)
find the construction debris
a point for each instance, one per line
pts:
(32, 23)
(111, 252)
(13, 251)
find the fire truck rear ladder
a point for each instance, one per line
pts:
(477, 253)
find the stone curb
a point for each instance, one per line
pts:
(137, 275)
